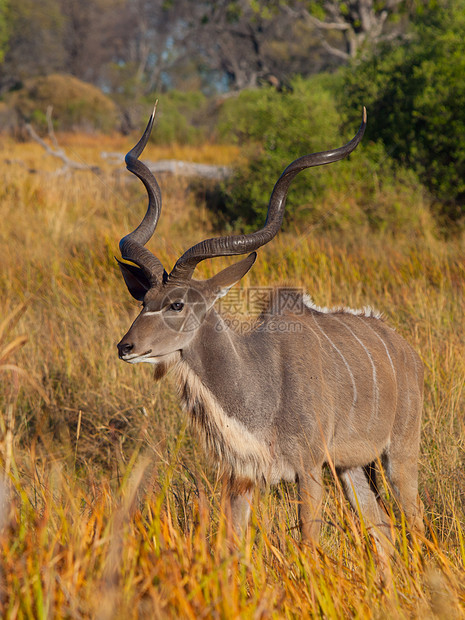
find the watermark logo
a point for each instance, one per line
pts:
(256, 300)
(273, 325)
(262, 308)
(257, 308)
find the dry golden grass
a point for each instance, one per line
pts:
(108, 509)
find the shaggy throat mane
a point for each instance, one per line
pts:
(241, 454)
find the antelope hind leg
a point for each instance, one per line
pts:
(402, 473)
(362, 494)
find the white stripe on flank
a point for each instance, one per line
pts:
(370, 357)
(387, 351)
(346, 363)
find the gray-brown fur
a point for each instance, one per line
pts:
(303, 388)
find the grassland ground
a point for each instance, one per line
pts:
(108, 507)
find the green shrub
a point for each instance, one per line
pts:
(415, 95)
(368, 188)
(276, 128)
(76, 104)
(181, 118)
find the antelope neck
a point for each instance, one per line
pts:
(234, 367)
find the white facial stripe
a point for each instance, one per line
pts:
(150, 313)
(149, 358)
(223, 291)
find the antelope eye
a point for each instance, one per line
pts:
(177, 306)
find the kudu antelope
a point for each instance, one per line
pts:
(278, 403)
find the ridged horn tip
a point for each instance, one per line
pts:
(136, 150)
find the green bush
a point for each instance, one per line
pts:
(415, 95)
(276, 128)
(181, 118)
(76, 104)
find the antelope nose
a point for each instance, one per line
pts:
(124, 348)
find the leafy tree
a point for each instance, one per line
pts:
(4, 28)
(415, 95)
(347, 26)
(34, 43)
(250, 42)
(89, 35)
(131, 48)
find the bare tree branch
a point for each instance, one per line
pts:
(56, 150)
(361, 21)
(335, 51)
(323, 25)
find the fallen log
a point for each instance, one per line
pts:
(177, 167)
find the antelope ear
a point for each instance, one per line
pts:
(136, 281)
(220, 283)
